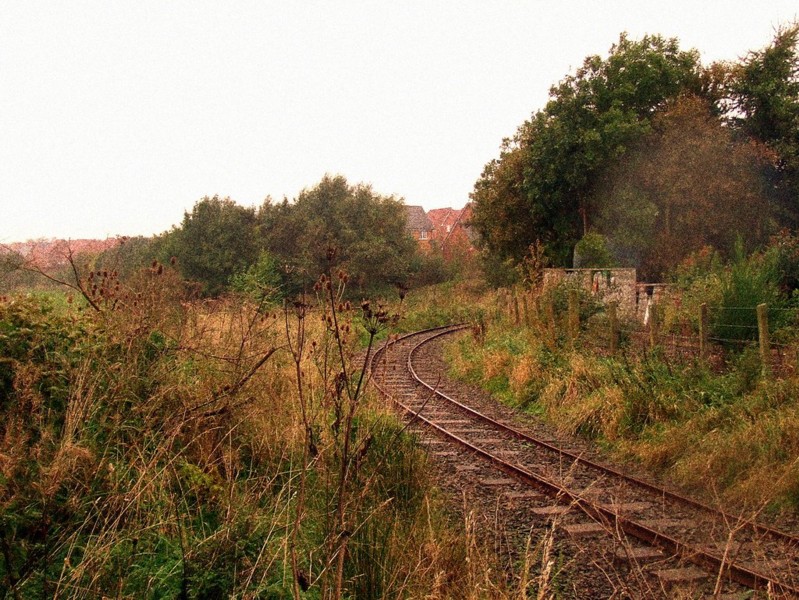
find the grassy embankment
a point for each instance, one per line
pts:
(731, 437)
(163, 448)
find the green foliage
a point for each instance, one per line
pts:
(429, 268)
(589, 305)
(690, 183)
(397, 470)
(498, 272)
(131, 255)
(592, 252)
(336, 226)
(732, 436)
(541, 187)
(784, 248)
(764, 94)
(217, 239)
(749, 281)
(628, 218)
(149, 451)
(697, 265)
(261, 281)
(437, 305)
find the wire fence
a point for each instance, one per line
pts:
(716, 335)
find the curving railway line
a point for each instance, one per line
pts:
(694, 540)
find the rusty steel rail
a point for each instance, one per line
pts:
(708, 561)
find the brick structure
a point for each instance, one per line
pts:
(443, 229)
(451, 231)
(419, 226)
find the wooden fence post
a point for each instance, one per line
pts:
(499, 310)
(703, 331)
(574, 316)
(653, 325)
(762, 332)
(614, 327)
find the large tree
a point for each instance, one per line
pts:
(589, 122)
(216, 240)
(690, 183)
(764, 103)
(333, 226)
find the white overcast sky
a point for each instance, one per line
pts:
(116, 117)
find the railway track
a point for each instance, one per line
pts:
(700, 541)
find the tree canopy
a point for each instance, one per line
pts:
(545, 177)
(333, 226)
(217, 239)
(281, 248)
(764, 103)
(688, 184)
(652, 150)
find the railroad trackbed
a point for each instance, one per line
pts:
(681, 543)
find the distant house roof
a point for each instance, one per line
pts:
(447, 220)
(444, 218)
(417, 220)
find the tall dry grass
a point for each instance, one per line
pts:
(732, 437)
(156, 445)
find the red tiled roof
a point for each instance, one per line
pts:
(443, 217)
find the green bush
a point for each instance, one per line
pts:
(592, 252)
(559, 294)
(748, 282)
(260, 281)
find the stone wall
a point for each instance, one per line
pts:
(608, 285)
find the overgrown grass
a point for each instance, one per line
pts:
(731, 437)
(444, 304)
(160, 448)
(157, 450)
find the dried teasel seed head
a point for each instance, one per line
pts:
(154, 264)
(160, 269)
(173, 260)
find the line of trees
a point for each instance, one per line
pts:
(652, 152)
(280, 248)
